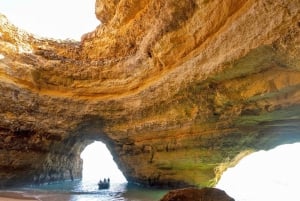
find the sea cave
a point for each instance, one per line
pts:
(179, 91)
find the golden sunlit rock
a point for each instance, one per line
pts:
(176, 89)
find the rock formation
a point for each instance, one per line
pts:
(178, 90)
(194, 194)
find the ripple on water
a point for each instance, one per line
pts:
(88, 191)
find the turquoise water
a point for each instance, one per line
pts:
(94, 167)
(88, 191)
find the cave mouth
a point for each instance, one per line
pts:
(265, 175)
(98, 164)
(57, 19)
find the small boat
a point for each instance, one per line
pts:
(104, 184)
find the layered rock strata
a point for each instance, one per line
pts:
(178, 90)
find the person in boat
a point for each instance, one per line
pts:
(104, 184)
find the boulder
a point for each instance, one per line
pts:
(195, 194)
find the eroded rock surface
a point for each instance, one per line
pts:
(194, 194)
(176, 89)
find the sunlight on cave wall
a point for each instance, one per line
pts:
(58, 19)
(265, 175)
(98, 164)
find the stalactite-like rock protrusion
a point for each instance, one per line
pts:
(183, 87)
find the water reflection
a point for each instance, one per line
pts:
(90, 192)
(82, 191)
(97, 164)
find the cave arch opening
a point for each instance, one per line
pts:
(58, 19)
(265, 175)
(98, 163)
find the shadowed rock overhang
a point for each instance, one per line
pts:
(178, 90)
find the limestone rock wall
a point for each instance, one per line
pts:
(182, 87)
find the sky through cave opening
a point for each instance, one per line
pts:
(98, 164)
(265, 175)
(58, 19)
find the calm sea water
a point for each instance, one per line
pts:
(88, 191)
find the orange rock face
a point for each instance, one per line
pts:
(176, 89)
